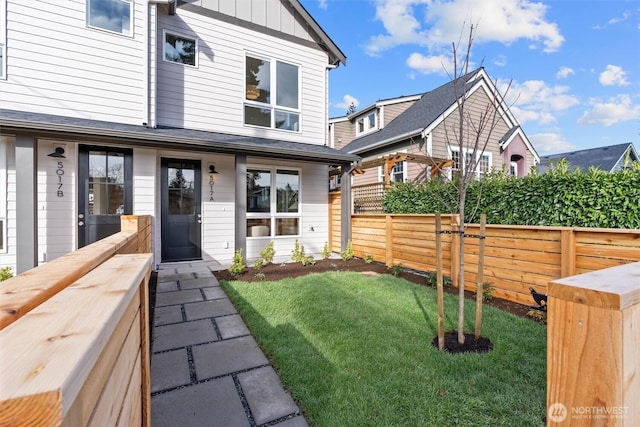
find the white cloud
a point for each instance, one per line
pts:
(534, 100)
(322, 4)
(347, 100)
(614, 110)
(548, 142)
(439, 64)
(437, 23)
(564, 72)
(613, 76)
(625, 15)
(500, 61)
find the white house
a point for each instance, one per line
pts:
(209, 116)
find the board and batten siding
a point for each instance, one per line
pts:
(57, 65)
(210, 97)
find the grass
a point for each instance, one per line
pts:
(356, 351)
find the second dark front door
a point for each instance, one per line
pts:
(181, 215)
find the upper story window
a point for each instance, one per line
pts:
(366, 123)
(272, 94)
(111, 15)
(180, 49)
(3, 39)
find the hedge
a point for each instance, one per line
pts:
(560, 197)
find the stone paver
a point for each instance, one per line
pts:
(200, 378)
(168, 314)
(205, 404)
(167, 286)
(178, 297)
(231, 326)
(215, 292)
(198, 283)
(174, 366)
(225, 357)
(267, 399)
(205, 309)
(178, 335)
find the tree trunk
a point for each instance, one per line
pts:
(461, 268)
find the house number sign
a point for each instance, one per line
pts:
(60, 173)
(211, 183)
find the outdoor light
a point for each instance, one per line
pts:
(212, 169)
(58, 153)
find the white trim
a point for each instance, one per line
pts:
(183, 36)
(526, 141)
(272, 105)
(273, 215)
(463, 159)
(130, 34)
(3, 39)
(3, 195)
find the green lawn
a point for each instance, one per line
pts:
(356, 351)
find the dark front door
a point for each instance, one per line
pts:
(105, 191)
(181, 218)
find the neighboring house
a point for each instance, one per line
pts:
(412, 145)
(208, 116)
(613, 158)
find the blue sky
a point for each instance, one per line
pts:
(574, 65)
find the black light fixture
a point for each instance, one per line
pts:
(58, 153)
(212, 169)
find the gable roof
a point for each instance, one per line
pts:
(605, 158)
(50, 126)
(431, 106)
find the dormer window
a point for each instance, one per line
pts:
(366, 123)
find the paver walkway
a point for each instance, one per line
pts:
(206, 368)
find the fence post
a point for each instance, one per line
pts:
(389, 241)
(593, 363)
(455, 248)
(567, 253)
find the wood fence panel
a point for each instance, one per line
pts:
(334, 222)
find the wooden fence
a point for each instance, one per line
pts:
(74, 338)
(516, 257)
(592, 348)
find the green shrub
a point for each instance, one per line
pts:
(258, 263)
(238, 265)
(560, 197)
(326, 253)
(298, 255)
(368, 259)
(5, 273)
(347, 254)
(268, 253)
(396, 270)
(308, 260)
(260, 276)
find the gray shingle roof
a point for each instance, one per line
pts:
(47, 125)
(415, 118)
(605, 158)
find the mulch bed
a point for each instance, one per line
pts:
(274, 272)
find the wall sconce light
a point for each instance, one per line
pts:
(58, 153)
(212, 169)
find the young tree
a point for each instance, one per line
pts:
(467, 135)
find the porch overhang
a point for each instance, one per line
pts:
(74, 129)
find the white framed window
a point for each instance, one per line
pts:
(272, 213)
(3, 39)
(398, 172)
(179, 48)
(513, 169)
(111, 15)
(483, 164)
(3, 196)
(367, 123)
(272, 94)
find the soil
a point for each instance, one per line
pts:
(274, 272)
